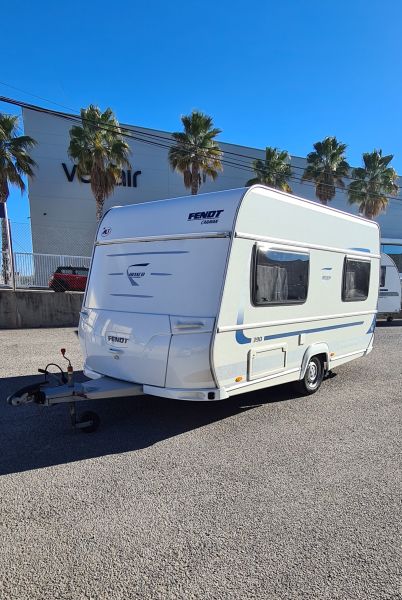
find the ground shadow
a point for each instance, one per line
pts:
(385, 323)
(34, 436)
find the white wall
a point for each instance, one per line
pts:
(63, 212)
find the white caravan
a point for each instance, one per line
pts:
(205, 297)
(389, 301)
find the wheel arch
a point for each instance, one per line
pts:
(317, 349)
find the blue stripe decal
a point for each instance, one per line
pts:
(161, 274)
(373, 324)
(360, 249)
(315, 330)
(241, 338)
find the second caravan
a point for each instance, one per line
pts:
(389, 301)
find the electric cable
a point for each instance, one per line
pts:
(171, 143)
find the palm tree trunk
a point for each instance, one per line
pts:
(194, 178)
(100, 201)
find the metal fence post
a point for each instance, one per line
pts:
(10, 247)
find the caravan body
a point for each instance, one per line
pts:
(389, 300)
(207, 296)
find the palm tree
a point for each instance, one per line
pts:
(373, 183)
(274, 170)
(15, 163)
(196, 154)
(327, 166)
(100, 152)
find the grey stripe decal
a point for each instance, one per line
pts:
(147, 253)
(387, 294)
(132, 295)
(160, 274)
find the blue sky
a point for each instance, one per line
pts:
(284, 74)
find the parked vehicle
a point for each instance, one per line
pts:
(206, 297)
(69, 278)
(389, 301)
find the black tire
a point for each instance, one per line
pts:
(94, 419)
(312, 378)
(389, 319)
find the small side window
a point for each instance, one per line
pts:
(356, 280)
(382, 276)
(280, 277)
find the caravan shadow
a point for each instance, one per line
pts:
(33, 437)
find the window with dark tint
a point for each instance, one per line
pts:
(81, 271)
(280, 277)
(382, 276)
(356, 280)
(65, 270)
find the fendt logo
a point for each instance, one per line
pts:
(117, 340)
(136, 272)
(206, 217)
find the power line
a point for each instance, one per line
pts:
(170, 143)
(36, 96)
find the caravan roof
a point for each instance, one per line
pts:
(218, 212)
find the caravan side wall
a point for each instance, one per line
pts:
(265, 334)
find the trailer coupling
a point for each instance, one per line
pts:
(70, 393)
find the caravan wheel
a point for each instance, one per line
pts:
(313, 376)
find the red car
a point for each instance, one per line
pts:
(69, 278)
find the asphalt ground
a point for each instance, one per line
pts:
(269, 495)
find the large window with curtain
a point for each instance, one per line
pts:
(280, 276)
(356, 280)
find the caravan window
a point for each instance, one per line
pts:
(383, 273)
(280, 277)
(356, 280)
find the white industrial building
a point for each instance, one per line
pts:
(62, 208)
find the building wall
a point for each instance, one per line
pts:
(63, 212)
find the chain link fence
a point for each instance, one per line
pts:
(43, 271)
(24, 269)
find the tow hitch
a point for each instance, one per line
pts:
(59, 388)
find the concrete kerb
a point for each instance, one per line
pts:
(39, 308)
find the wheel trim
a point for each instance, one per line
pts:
(312, 374)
